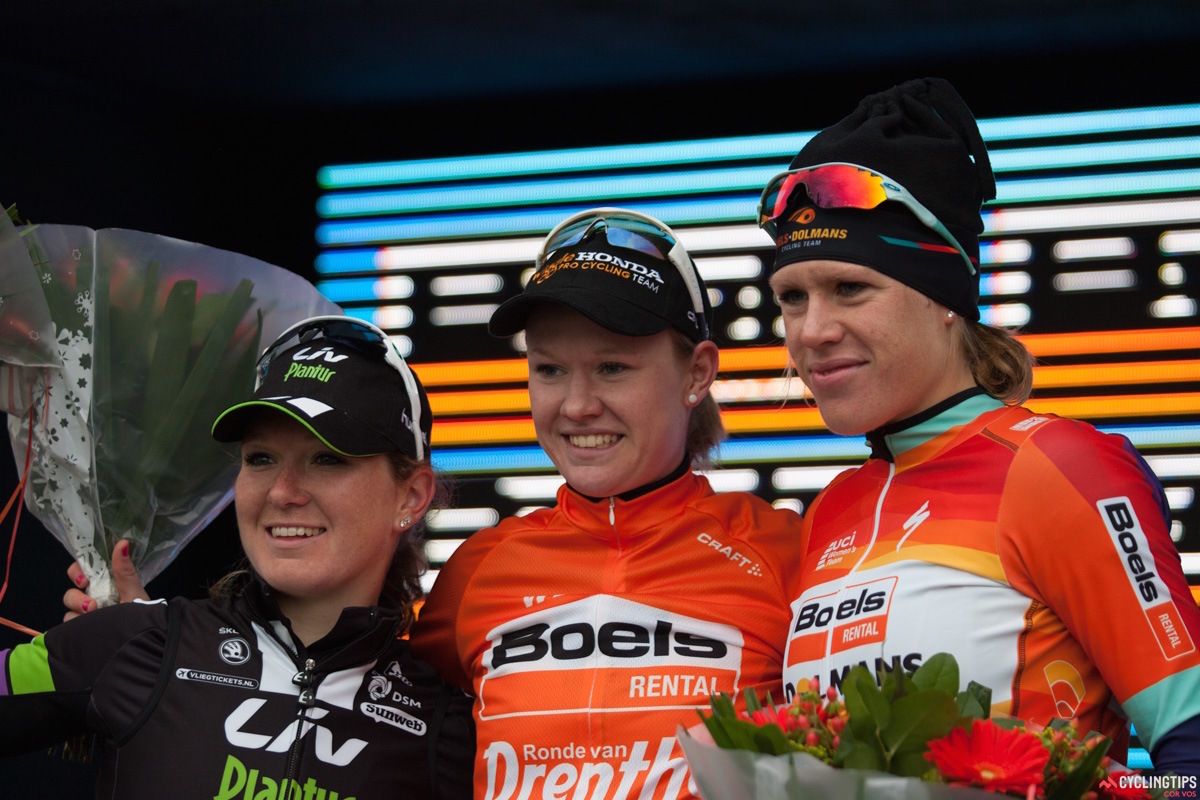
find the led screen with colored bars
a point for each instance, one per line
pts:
(1092, 247)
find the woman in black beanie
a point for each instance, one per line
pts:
(1033, 548)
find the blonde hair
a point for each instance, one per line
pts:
(1000, 364)
(705, 430)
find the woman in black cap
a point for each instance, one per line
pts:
(589, 631)
(1033, 548)
(292, 681)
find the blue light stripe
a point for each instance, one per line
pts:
(783, 449)
(433, 227)
(1094, 153)
(1089, 122)
(498, 195)
(781, 146)
(731, 179)
(491, 460)
(340, 262)
(1090, 186)
(348, 289)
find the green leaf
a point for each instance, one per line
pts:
(916, 719)
(939, 672)
(752, 703)
(975, 702)
(1079, 780)
(869, 709)
(860, 754)
(170, 360)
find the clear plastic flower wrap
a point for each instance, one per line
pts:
(119, 348)
(910, 736)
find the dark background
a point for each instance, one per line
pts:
(208, 119)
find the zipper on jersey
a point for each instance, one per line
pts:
(866, 552)
(306, 680)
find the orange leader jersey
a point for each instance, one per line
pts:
(589, 631)
(1032, 548)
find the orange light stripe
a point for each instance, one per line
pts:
(755, 420)
(774, 357)
(497, 401)
(516, 401)
(1127, 341)
(510, 430)
(457, 373)
(1128, 405)
(485, 432)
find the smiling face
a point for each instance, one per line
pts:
(318, 526)
(610, 410)
(871, 349)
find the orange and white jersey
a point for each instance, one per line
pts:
(1035, 549)
(588, 632)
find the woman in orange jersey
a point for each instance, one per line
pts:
(1034, 548)
(589, 631)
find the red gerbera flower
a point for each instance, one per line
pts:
(992, 757)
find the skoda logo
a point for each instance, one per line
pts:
(235, 651)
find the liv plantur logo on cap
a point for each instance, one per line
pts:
(313, 371)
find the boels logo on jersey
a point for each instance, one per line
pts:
(837, 621)
(643, 657)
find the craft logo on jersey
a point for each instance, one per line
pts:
(836, 551)
(234, 651)
(840, 620)
(607, 654)
(1142, 572)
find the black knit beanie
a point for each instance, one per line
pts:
(922, 135)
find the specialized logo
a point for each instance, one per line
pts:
(234, 651)
(914, 522)
(841, 620)
(623, 268)
(394, 717)
(200, 676)
(240, 731)
(751, 567)
(658, 658)
(1134, 549)
(836, 551)
(598, 772)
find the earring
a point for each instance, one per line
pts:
(692, 399)
(404, 522)
(949, 315)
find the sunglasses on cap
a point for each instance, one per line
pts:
(843, 185)
(632, 231)
(360, 335)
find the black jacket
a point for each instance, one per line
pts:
(217, 700)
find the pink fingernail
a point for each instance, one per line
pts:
(125, 549)
(87, 605)
(79, 580)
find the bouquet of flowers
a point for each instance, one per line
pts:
(907, 735)
(118, 349)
